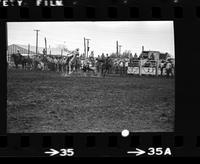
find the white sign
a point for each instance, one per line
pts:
(133, 70)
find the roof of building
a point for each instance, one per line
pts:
(24, 50)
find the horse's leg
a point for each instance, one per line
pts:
(23, 66)
(28, 66)
(106, 72)
(104, 75)
(103, 72)
(62, 68)
(65, 68)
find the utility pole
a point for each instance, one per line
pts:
(87, 46)
(28, 49)
(61, 52)
(37, 41)
(45, 44)
(49, 50)
(63, 47)
(120, 49)
(84, 48)
(117, 46)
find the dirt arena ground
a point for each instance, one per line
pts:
(39, 102)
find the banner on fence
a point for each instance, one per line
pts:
(133, 70)
(145, 70)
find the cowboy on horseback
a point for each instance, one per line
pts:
(17, 58)
(104, 64)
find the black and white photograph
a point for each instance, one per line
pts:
(90, 76)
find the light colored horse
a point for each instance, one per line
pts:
(41, 66)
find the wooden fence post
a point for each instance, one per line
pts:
(157, 67)
(140, 67)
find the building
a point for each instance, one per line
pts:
(12, 49)
(24, 50)
(154, 55)
(31, 50)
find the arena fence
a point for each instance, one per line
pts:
(144, 67)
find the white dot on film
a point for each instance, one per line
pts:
(125, 133)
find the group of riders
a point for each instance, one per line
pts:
(69, 63)
(73, 62)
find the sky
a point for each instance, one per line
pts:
(132, 35)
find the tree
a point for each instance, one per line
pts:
(126, 54)
(135, 56)
(113, 55)
(131, 55)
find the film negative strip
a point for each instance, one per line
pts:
(89, 78)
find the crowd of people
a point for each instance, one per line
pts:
(167, 66)
(103, 64)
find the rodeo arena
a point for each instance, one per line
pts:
(72, 91)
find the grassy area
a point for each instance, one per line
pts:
(47, 102)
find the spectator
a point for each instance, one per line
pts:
(121, 67)
(169, 69)
(162, 67)
(102, 56)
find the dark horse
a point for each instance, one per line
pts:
(21, 60)
(105, 65)
(86, 68)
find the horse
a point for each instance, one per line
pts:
(17, 58)
(21, 60)
(87, 68)
(105, 65)
(75, 64)
(45, 62)
(27, 61)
